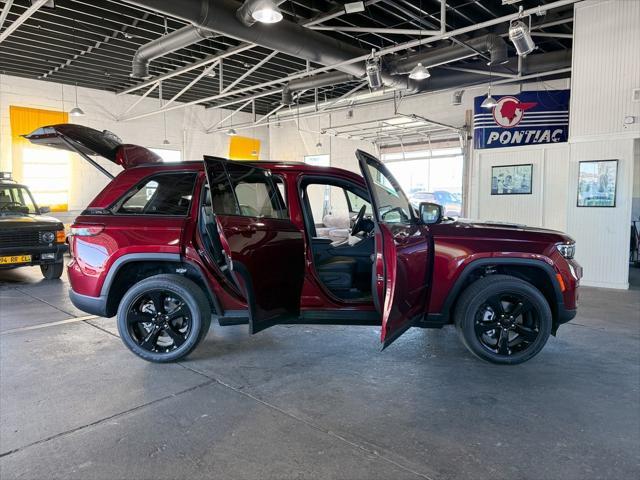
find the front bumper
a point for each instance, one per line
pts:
(36, 255)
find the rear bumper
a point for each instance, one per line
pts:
(91, 305)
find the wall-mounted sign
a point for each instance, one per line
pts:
(528, 118)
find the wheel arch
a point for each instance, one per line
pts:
(536, 272)
(131, 268)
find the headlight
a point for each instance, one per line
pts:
(567, 250)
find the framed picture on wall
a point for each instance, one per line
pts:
(511, 179)
(597, 180)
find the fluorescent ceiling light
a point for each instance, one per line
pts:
(354, 7)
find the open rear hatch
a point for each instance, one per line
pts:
(89, 142)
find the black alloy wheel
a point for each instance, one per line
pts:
(164, 317)
(507, 323)
(503, 319)
(159, 321)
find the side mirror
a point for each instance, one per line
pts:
(430, 213)
(45, 210)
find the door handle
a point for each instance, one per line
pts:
(401, 237)
(244, 230)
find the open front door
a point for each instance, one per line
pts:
(402, 259)
(263, 248)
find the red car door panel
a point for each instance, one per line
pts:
(265, 249)
(402, 257)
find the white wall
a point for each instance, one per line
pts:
(545, 206)
(185, 127)
(605, 69)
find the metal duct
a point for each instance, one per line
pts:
(539, 63)
(245, 12)
(492, 44)
(161, 46)
(316, 81)
(286, 37)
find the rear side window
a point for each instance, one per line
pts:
(247, 191)
(162, 194)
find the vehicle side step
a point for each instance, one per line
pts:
(232, 317)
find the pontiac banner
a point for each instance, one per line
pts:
(528, 118)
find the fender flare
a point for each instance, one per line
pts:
(503, 261)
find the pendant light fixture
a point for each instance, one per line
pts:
(419, 72)
(76, 111)
(489, 102)
(520, 36)
(267, 12)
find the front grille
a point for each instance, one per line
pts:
(18, 239)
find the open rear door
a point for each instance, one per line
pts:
(402, 259)
(264, 249)
(88, 142)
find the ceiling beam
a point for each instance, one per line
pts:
(21, 19)
(5, 12)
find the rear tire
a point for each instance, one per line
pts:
(52, 271)
(163, 318)
(503, 319)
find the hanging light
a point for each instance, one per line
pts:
(165, 142)
(419, 72)
(76, 111)
(319, 144)
(254, 153)
(232, 132)
(267, 12)
(489, 102)
(520, 36)
(374, 74)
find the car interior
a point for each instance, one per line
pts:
(340, 229)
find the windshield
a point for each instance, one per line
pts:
(15, 200)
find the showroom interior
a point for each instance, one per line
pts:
(495, 121)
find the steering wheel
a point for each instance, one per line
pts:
(8, 205)
(358, 222)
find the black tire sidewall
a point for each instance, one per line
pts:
(52, 271)
(477, 293)
(195, 301)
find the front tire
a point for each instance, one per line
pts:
(503, 319)
(163, 318)
(52, 271)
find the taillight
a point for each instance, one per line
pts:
(87, 230)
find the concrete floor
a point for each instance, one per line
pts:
(312, 401)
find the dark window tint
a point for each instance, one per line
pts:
(162, 194)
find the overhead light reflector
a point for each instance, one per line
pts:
(489, 102)
(232, 132)
(520, 36)
(76, 112)
(267, 12)
(419, 72)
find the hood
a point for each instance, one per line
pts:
(36, 222)
(88, 141)
(506, 231)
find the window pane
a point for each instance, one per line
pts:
(393, 207)
(357, 202)
(163, 194)
(257, 196)
(15, 200)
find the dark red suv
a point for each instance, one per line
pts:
(166, 246)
